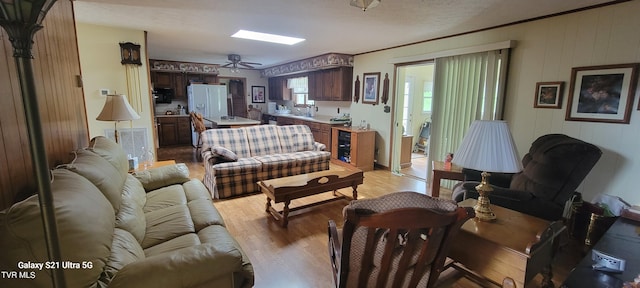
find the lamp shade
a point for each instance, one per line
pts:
(488, 146)
(117, 108)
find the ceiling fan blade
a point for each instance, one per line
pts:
(226, 65)
(245, 65)
(250, 63)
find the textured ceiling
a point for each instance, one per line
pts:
(200, 30)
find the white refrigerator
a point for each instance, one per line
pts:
(208, 100)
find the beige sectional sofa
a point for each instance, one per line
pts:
(157, 228)
(258, 153)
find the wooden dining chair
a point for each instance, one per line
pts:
(198, 126)
(396, 240)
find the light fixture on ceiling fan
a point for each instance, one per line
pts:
(365, 4)
(235, 60)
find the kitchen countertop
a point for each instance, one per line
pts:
(174, 115)
(235, 121)
(318, 118)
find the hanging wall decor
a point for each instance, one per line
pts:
(371, 88)
(356, 90)
(385, 89)
(130, 53)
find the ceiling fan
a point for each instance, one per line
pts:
(235, 60)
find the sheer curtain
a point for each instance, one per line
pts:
(467, 87)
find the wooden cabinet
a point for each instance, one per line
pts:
(278, 89)
(162, 79)
(323, 85)
(331, 84)
(353, 148)
(321, 131)
(179, 81)
(174, 131)
(405, 151)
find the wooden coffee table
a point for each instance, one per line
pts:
(516, 245)
(286, 189)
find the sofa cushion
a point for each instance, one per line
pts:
(310, 157)
(101, 173)
(163, 176)
(276, 162)
(180, 242)
(263, 140)
(290, 135)
(303, 142)
(234, 139)
(130, 217)
(223, 154)
(111, 151)
(124, 250)
(83, 234)
(165, 197)
(166, 224)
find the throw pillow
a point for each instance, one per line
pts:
(303, 142)
(224, 154)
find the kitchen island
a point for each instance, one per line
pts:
(233, 122)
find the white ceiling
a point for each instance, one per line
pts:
(200, 30)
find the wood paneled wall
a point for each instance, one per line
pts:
(57, 69)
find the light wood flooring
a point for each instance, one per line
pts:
(297, 256)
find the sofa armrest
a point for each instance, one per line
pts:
(188, 267)
(155, 178)
(317, 146)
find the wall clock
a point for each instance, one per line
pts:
(130, 53)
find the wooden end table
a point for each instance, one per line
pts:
(516, 246)
(154, 165)
(439, 173)
(286, 189)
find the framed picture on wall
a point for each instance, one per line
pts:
(548, 95)
(602, 93)
(370, 88)
(257, 94)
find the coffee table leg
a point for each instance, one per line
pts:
(285, 213)
(268, 205)
(355, 192)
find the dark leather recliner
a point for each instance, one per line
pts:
(554, 167)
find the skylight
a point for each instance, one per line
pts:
(273, 38)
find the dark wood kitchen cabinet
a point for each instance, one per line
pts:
(278, 89)
(174, 131)
(331, 84)
(179, 81)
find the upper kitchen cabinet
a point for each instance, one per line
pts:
(278, 89)
(179, 81)
(331, 84)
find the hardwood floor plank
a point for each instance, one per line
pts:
(297, 256)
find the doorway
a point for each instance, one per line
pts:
(414, 94)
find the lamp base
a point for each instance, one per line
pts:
(483, 206)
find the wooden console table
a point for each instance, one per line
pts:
(439, 173)
(516, 245)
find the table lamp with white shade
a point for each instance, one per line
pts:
(489, 147)
(116, 108)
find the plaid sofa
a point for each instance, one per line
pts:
(263, 152)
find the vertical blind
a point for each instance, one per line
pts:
(467, 87)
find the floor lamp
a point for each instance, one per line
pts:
(22, 19)
(116, 108)
(488, 146)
